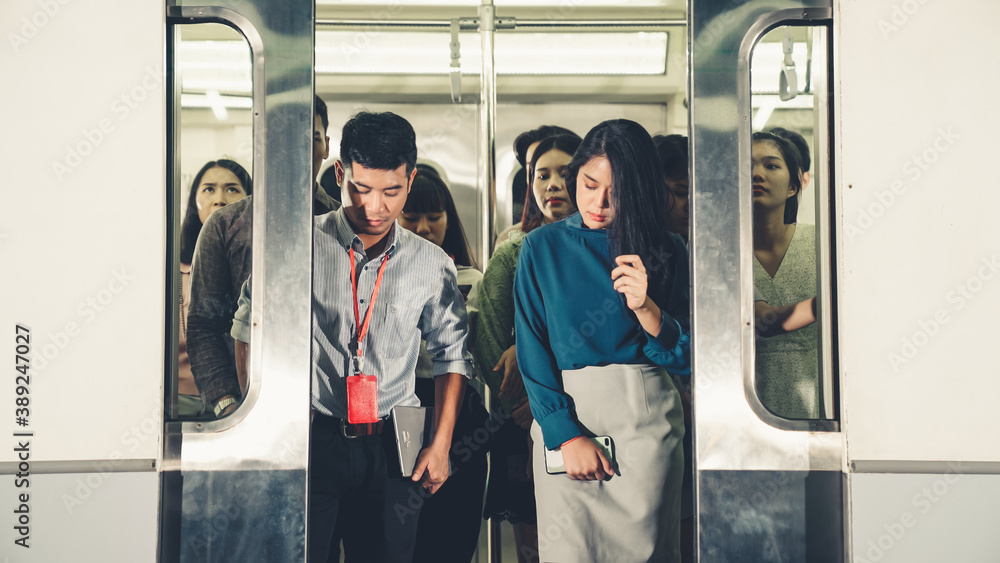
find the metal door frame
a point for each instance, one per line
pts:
(762, 483)
(227, 473)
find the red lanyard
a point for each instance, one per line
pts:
(362, 329)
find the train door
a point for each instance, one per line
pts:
(769, 466)
(82, 242)
(91, 219)
(235, 488)
(916, 138)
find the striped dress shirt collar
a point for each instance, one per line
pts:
(350, 239)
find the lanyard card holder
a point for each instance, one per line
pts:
(362, 390)
(362, 399)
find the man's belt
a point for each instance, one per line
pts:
(364, 429)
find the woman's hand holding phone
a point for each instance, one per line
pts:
(585, 461)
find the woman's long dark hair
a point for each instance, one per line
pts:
(429, 194)
(793, 161)
(532, 217)
(191, 226)
(637, 196)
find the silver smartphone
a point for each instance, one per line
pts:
(554, 460)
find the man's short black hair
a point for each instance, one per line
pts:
(320, 107)
(382, 141)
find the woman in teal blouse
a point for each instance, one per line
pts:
(602, 308)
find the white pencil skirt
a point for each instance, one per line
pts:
(633, 517)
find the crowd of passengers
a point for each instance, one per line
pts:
(578, 327)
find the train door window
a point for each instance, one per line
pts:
(213, 160)
(791, 202)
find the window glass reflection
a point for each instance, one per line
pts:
(788, 88)
(215, 150)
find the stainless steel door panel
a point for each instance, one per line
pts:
(242, 479)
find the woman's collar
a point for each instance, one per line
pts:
(575, 221)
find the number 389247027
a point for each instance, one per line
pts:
(22, 381)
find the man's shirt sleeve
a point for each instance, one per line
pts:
(445, 325)
(241, 320)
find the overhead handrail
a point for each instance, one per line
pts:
(455, 70)
(788, 81)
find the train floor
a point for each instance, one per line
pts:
(508, 553)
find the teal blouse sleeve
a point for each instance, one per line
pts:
(549, 403)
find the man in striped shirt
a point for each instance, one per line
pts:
(406, 288)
